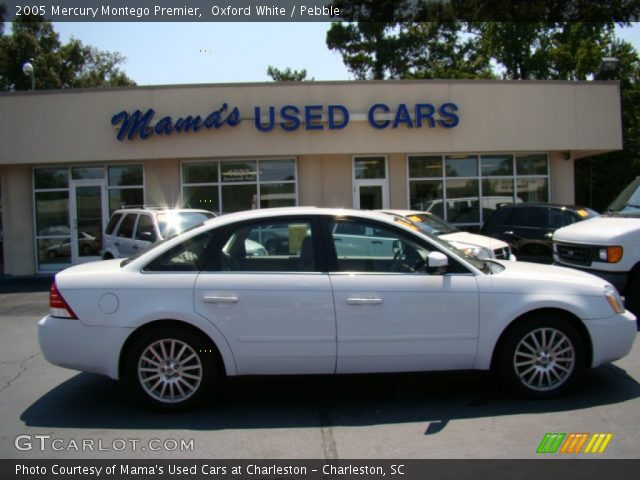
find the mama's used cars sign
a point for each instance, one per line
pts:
(288, 118)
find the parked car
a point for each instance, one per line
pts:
(479, 245)
(87, 244)
(528, 227)
(132, 230)
(608, 245)
(173, 320)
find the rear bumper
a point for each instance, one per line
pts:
(70, 344)
(612, 337)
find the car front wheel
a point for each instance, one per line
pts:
(171, 369)
(541, 357)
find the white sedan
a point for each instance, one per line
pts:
(174, 320)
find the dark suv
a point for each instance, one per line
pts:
(528, 227)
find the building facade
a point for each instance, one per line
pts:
(456, 148)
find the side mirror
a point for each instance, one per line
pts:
(437, 262)
(147, 237)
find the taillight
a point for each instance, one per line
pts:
(58, 306)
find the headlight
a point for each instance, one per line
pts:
(613, 297)
(478, 251)
(610, 254)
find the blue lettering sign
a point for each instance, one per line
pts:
(372, 116)
(313, 113)
(334, 123)
(402, 116)
(425, 111)
(138, 124)
(270, 123)
(290, 120)
(448, 119)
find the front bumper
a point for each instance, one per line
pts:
(612, 337)
(71, 344)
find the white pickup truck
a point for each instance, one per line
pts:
(608, 245)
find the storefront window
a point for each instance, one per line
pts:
(48, 178)
(471, 186)
(126, 186)
(461, 166)
(370, 167)
(496, 165)
(87, 173)
(52, 225)
(231, 186)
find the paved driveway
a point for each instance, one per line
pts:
(58, 413)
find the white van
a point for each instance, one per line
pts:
(608, 245)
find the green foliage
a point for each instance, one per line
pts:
(287, 75)
(57, 65)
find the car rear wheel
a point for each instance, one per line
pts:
(541, 357)
(172, 369)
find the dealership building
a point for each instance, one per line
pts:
(460, 149)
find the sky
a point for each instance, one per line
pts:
(185, 53)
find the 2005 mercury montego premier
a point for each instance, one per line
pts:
(173, 320)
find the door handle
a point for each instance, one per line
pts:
(364, 301)
(220, 299)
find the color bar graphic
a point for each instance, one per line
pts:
(574, 442)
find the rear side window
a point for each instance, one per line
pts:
(126, 227)
(498, 218)
(532, 217)
(188, 256)
(115, 218)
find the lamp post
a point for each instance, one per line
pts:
(28, 69)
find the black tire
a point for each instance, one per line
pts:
(107, 256)
(85, 250)
(173, 370)
(541, 357)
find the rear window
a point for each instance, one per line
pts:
(115, 218)
(176, 222)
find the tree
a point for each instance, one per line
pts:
(543, 50)
(287, 75)
(599, 179)
(71, 65)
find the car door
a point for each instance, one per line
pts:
(394, 316)
(145, 234)
(125, 242)
(276, 311)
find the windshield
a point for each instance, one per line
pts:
(431, 224)
(628, 202)
(176, 222)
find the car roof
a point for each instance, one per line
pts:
(543, 204)
(404, 213)
(160, 210)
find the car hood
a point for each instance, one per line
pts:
(537, 277)
(600, 230)
(472, 238)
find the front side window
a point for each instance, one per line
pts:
(145, 230)
(363, 246)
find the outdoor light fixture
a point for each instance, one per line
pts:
(609, 64)
(28, 69)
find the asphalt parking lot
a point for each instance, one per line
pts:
(50, 412)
